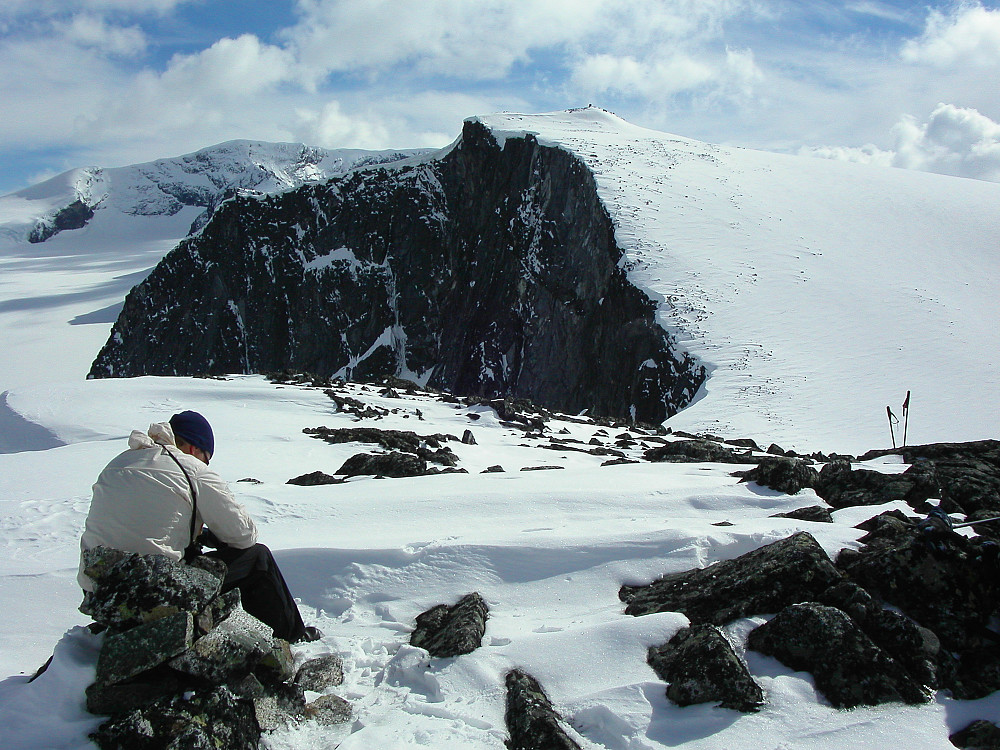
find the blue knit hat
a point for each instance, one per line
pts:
(195, 429)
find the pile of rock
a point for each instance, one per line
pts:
(408, 453)
(183, 665)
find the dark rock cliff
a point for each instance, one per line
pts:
(489, 272)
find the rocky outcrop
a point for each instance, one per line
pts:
(766, 580)
(979, 735)
(531, 720)
(490, 271)
(842, 486)
(814, 513)
(394, 464)
(849, 669)
(966, 476)
(182, 666)
(74, 216)
(698, 450)
(788, 475)
(945, 583)
(700, 666)
(452, 631)
(427, 447)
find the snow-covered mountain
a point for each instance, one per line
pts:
(814, 292)
(98, 232)
(166, 186)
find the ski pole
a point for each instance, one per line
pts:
(975, 523)
(892, 432)
(906, 416)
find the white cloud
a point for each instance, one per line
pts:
(970, 35)
(867, 154)
(94, 31)
(484, 39)
(33, 9)
(329, 125)
(954, 140)
(232, 68)
(598, 74)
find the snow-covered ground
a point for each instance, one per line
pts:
(816, 292)
(782, 273)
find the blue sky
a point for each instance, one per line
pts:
(113, 82)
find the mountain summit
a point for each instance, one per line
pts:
(813, 293)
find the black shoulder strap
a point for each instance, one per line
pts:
(194, 495)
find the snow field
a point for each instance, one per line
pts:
(548, 550)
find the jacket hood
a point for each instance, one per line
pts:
(159, 433)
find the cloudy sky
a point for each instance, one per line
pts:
(113, 82)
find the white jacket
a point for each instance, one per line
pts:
(142, 502)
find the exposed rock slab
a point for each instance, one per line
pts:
(394, 464)
(700, 665)
(141, 588)
(814, 513)
(229, 651)
(788, 571)
(321, 673)
(788, 475)
(698, 450)
(451, 631)
(849, 669)
(139, 649)
(531, 720)
(315, 479)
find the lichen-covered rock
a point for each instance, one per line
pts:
(788, 475)
(700, 666)
(791, 570)
(99, 560)
(275, 704)
(967, 474)
(329, 710)
(941, 583)
(451, 631)
(531, 720)
(321, 673)
(917, 649)
(849, 669)
(840, 485)
(278, 665)
(155, 684)
(394, 464)
(134, 651)
(229, 652)
(203, 720)
(141, 588)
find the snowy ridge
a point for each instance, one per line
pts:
(203, 178)
(816, 292)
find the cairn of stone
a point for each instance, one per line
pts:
(184, 665)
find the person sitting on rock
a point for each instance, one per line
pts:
(156, 497)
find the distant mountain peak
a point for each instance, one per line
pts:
(163, 187)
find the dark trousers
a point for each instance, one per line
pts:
(264, 593)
